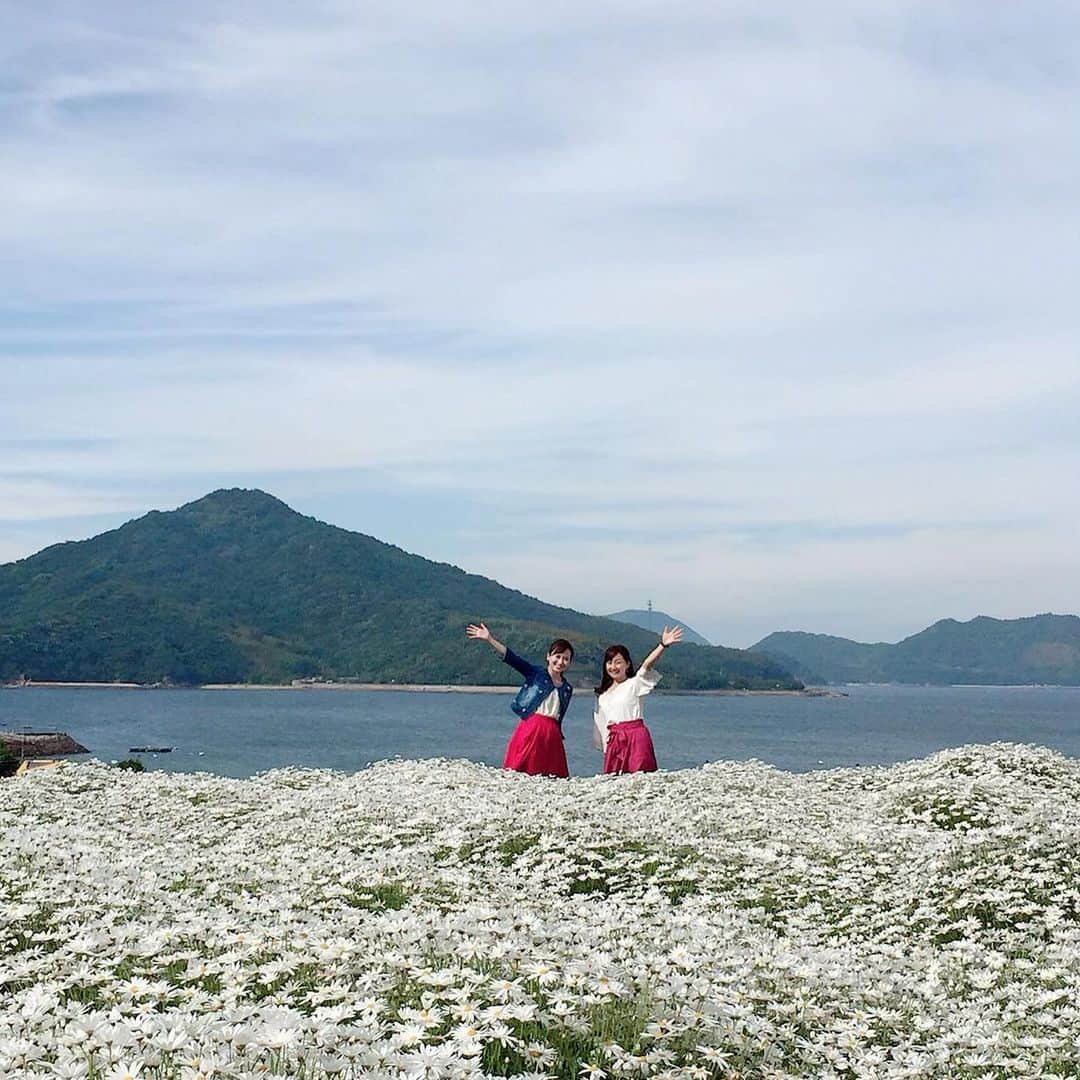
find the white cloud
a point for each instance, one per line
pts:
(721, 277)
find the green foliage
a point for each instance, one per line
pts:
(130, 765)
(237, 587)
(510, 849)
(24, 934)
(388, 896)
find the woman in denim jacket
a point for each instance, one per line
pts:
(536, 747)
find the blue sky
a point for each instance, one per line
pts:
(767, 315)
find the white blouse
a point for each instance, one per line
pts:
(621, 702)
(549, 706)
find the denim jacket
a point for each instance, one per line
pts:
(537, 686)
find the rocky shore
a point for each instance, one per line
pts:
(31, 744)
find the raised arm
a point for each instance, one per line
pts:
(669, 636)
(482, 633)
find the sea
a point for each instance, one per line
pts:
(246, 731)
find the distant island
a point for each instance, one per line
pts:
(237, 587)
(656, 621)
(1041, 649)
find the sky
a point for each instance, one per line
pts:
(763, 313)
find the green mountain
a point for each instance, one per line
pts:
(1041, 649)
(656, 621)
(237, 587)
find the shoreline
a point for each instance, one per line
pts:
(409, 688)
(424, 688)
(838, 691)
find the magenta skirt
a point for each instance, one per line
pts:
(536, 748)
(629, 748)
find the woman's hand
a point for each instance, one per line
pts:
(668, 636)
(482, 633)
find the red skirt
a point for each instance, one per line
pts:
(536, 748)
(629, 748)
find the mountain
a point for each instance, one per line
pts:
(822, 658)
(656, 621)
(1041, 649)
(238, 587)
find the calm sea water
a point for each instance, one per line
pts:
(241, 732)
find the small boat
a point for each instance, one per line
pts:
(151, 749)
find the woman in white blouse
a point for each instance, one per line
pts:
(618, 724)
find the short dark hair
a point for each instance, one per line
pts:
(560, 644)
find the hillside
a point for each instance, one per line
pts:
(656, 621)
(238, 587)
(1041, 649)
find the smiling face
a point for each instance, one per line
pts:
(617, 665)
(558, 662)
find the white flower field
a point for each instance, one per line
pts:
(445, 919)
